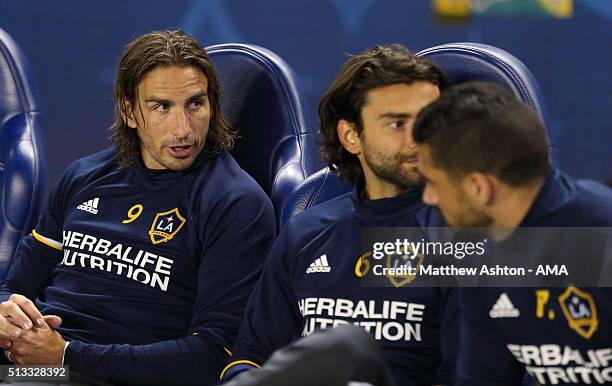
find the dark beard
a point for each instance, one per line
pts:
(390, 170)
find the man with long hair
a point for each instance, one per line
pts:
(144, 256)
(312, 278)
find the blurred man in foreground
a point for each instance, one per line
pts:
(484, 155)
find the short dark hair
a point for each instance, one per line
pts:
(163, 49)
(376, 67)
(483, 127)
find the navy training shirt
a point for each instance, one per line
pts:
(557, 335)
(150, 270)
(310, 283)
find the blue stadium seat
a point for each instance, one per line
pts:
(264, 104)
(462, 62)
(21, 165)
(319, 187)
(467, 62)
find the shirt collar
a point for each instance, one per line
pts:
(384, 207)
(165, 174)
(554, 194)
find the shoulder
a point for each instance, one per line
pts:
(222, 186)
(225, 176)
(86, 169)
(95, 163)
(316, 219)
(594, 193)
(306, 229)
(593, 203)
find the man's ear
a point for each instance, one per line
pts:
(127, 112)
(480, 188)
(349, 138)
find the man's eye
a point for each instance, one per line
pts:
(195, 104)
(161, 107)
(397, 124)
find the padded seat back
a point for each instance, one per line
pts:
(467, 62)
(21, 167)
(263, 102)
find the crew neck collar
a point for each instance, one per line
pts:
(166, 174)
(400, 204)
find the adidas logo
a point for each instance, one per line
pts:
(503, 308)
(319, 265)
(90, 206)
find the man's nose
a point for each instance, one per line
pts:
(429, 196)
(182, 126)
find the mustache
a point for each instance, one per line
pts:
(182, 142)
(408, 157)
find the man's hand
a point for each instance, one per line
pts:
(39, 346)
(52, 321)
(18, 314)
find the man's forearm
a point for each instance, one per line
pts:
(31, 270)
(189, 360)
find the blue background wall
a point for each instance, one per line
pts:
(74, 46)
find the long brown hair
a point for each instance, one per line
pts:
(142, 55)
(376, 67)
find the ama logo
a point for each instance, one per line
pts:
(166, 225)
(580, 311)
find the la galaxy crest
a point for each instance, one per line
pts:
(166, 225)
(580, 311)
(397, 261)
